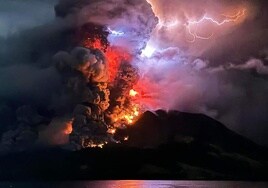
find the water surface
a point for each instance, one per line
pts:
(136, 184)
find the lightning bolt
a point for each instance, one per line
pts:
(205, 18)
(191, 25)
(114, 32)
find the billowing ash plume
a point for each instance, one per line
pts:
(70, 80)
(85, 77)
(77, 104)
(133, 18)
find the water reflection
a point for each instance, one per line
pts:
(136, 184)
(175, 184)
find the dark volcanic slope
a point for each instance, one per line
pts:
(161, 145)
(154, 129)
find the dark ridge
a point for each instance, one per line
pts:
(161, 145)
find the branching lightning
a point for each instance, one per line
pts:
(192, 25)
(205, 18)
(114, 32)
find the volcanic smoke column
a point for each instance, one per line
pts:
(101, 75)
(84, 74)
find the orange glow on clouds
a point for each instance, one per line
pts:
(114, 55)
(69, 127)
(133, 93)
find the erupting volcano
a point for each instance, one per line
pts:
(133, 89)
(108, 72)
(117, 103)
(117, 63)
(101, 64)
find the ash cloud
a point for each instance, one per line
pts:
(57, 132)
(43, 74)
(134, 18)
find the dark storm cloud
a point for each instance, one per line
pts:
(29, 37)
(243, 104)
(248, 40)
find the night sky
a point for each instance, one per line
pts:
(224, 77)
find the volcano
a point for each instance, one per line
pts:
(136, 89)
(161, 145)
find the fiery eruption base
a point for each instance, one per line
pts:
(103, 78)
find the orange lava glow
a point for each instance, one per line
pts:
(128, 116)
(133, 114)
(149, 94)
(95, 43)
(134, 111)
(133, 93)
(115, 55)
(111, 131)
(69, 127)
(93, 145)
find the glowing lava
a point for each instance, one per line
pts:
(69, 128)
(111, 131)
(127, 116)
(91, 144)
(134, 113)
(135, 109)
(133, 93)
(121, 116)
(95, 43)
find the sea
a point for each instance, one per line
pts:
(135, 184)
